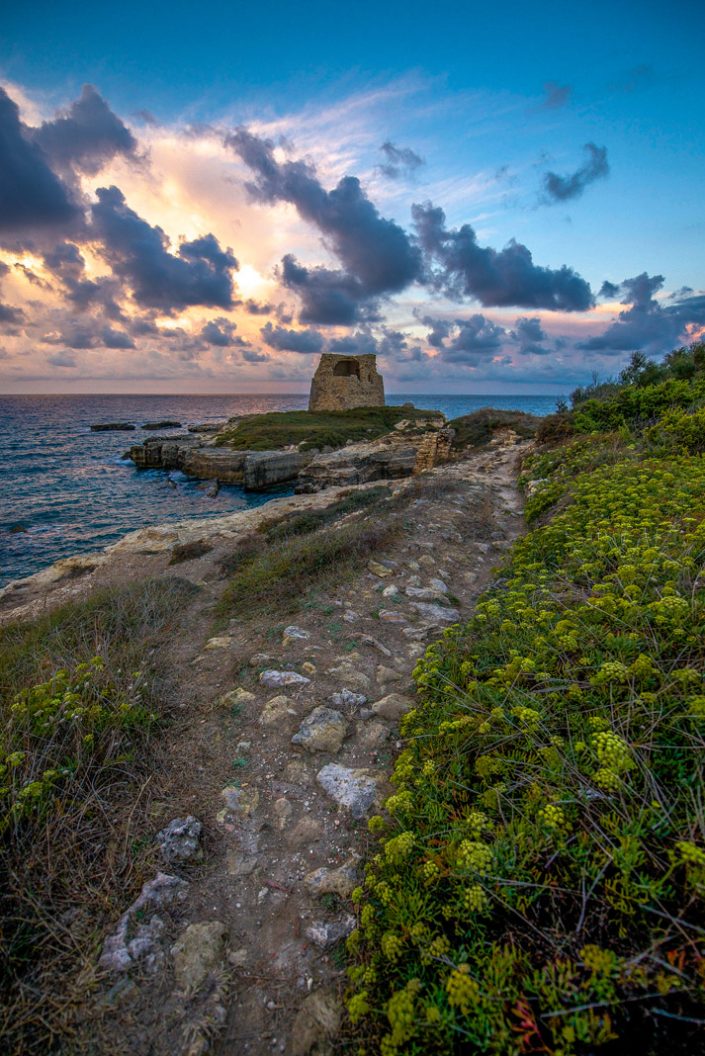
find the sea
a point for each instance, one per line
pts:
(67, 490)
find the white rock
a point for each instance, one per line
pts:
(275, 679)
(179, 840)
(347, 699)
(292, 631)
(353, 789)
(135, 939)
(326, 934)
(438, 613)
(439, 585)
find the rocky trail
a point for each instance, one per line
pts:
(288, 735)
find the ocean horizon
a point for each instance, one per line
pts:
(67, 490)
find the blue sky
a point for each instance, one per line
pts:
(575, 130)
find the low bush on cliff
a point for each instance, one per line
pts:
(306, 429)
(478, 428)
(539, 885)
(79, 694)
(644, 393)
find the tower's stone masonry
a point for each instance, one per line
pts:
(344, 382)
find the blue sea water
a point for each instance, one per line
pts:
(70, 491)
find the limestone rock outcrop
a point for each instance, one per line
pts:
(342, 383)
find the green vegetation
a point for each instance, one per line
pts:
(312, 520)
(478, 428)
(276, 570)
(306, 429)
(539, 884)
(644, 393)
(78, 698)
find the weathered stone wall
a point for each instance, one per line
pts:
(344, 382)
(434, 449)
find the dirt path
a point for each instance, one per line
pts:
(251, 959)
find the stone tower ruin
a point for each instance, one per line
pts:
(344, 382)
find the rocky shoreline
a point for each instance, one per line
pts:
(406, 450)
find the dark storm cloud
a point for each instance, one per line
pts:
(555, 95)
(10, 316)
(61, 359)
(254, 308)
(462, 340)
(530, 335)
(86, 136)
(359, 343)
(476, 336)
(112, 338)
(138, 253)
(219, 332)
(251, 355)
(377, 255)
(439, 329)
(31, 195)
(328, 296)
(399, 161)
(66, 263)
(564, 188)
(609, 289)
(306, 342)
(645, 325)
(458, 266)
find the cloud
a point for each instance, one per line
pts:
(86, 136)
(458, 266)
(463, 340)
(555, 95)
(254, 308)
(400, 161)
(113, 338)
(31, 194)
(377, 255)
(61, 359)
(307, 342)
(10, 315)
(67, 264)
(563, 188)
(328, 296)
(645, 325)
(356, 344)
(138, 253)
(529, 335)
(251, 355)
(219, 332)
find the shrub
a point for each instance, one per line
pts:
(478, 428)
(540, 880)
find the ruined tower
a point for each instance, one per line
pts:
(343, 382)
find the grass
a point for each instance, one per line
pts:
(539, 884)
(307, 430)
(81, 690)
(478, 428)
(278, 576)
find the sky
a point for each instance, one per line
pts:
(201, 198)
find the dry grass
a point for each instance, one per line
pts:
(66, 864)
